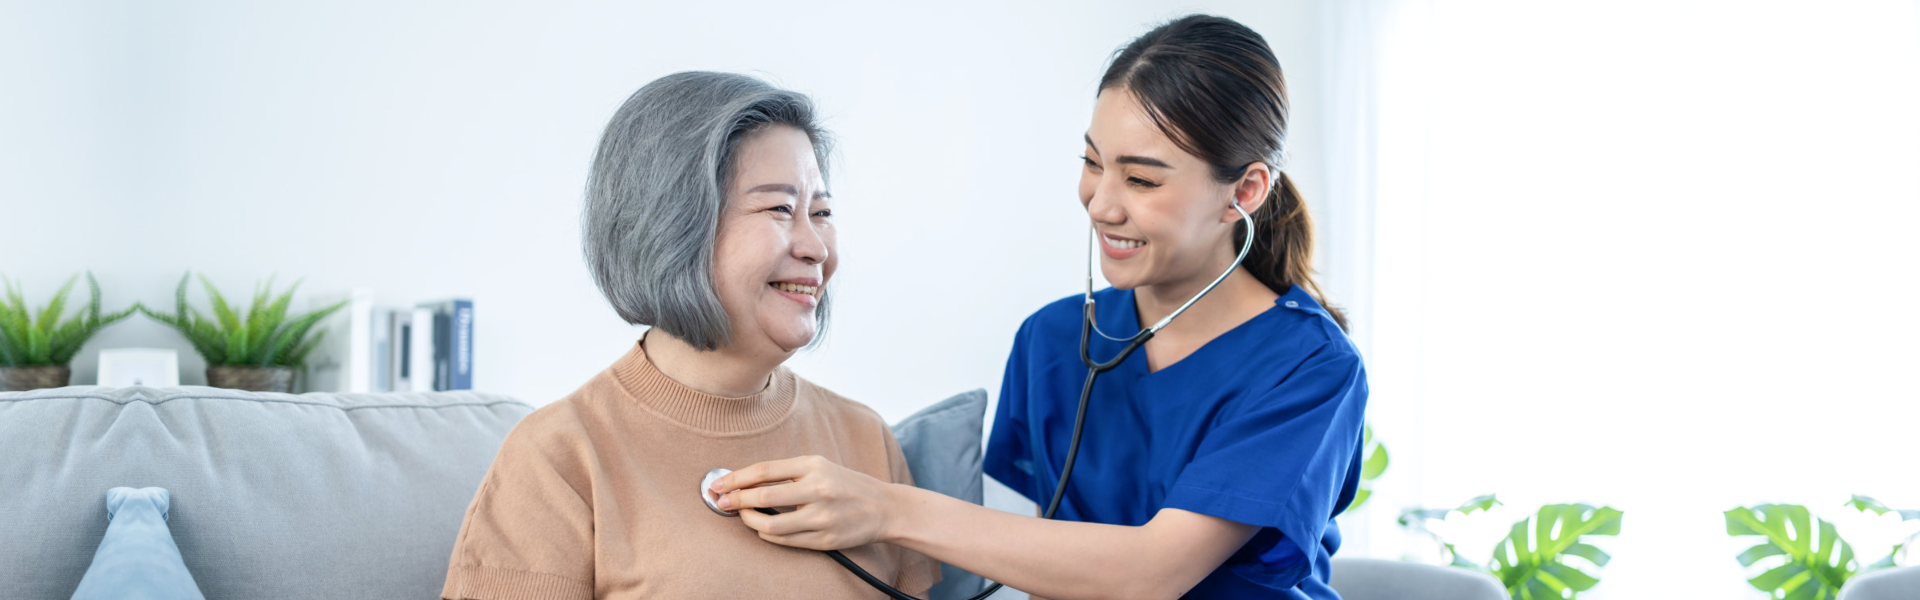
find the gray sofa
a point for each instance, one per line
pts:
(273, 495)
(1373, 579)
(1891, 584)
(361, 495)
(307, 496)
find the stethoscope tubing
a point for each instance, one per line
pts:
(1094, 369)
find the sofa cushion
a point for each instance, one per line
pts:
(942, 446)
(273, 495)
(137, 559)
(1375, 579)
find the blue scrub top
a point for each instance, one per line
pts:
(1259, 426)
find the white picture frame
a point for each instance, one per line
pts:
(150, 367)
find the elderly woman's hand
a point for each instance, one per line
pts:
(836, 507)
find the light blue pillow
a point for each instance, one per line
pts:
(942, 445)
(137, 559)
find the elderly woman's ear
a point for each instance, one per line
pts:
(702, 183)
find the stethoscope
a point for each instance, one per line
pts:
(1094, 369)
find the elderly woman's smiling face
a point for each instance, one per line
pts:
(775, 249)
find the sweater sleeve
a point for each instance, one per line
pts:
(528, 534)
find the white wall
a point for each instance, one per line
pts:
(1662, 258)
(344, 142)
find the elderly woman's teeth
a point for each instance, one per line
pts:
(794, 288)
(1123, 244)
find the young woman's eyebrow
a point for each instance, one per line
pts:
(1128, 159)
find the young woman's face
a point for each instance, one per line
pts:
(775, 250)
(1157, 210)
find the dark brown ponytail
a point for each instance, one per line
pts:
(1283, 245)
(1215, 88)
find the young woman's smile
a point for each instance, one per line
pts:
(1118, 247)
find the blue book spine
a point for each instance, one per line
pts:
(462, 359)
(442, 350)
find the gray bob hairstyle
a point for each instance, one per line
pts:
(657, 188)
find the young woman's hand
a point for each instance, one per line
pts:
(835, 507)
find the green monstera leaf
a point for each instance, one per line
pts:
(1372, 466)
(1531, 560)
(1416, 519)
(1868, 504)
(1817, 561)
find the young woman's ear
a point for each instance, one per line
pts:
(1251, 191)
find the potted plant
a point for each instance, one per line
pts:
(1532, 561)
(35, 352)
(1373, 464)
(259, 351)
(1813, 560)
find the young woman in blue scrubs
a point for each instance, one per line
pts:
(1213, 461)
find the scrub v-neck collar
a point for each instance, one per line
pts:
(1129, 319)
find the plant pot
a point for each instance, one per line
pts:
(20, 379)
(252, 379)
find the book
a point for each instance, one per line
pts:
(441, 348)
(420, 350)
(399, 342)
(369, 348)
(452, 339)
(382, 342)
(460, 356)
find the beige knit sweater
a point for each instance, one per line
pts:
(594, 496)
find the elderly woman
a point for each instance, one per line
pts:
(707, 218)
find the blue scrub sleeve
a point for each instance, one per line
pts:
(1280, 460)
(1009, 458)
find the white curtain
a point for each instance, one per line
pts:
(1661, 256)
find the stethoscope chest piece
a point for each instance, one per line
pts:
(707, 495)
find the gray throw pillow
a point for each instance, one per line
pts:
(942, 444)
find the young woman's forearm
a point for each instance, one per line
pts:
(1063, 560)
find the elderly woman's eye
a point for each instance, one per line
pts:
(823, 213)
(783, 208)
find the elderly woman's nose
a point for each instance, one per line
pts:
(809, 243)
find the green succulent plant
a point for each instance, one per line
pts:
(1532, 560)
(30, 340)
(266, 336)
